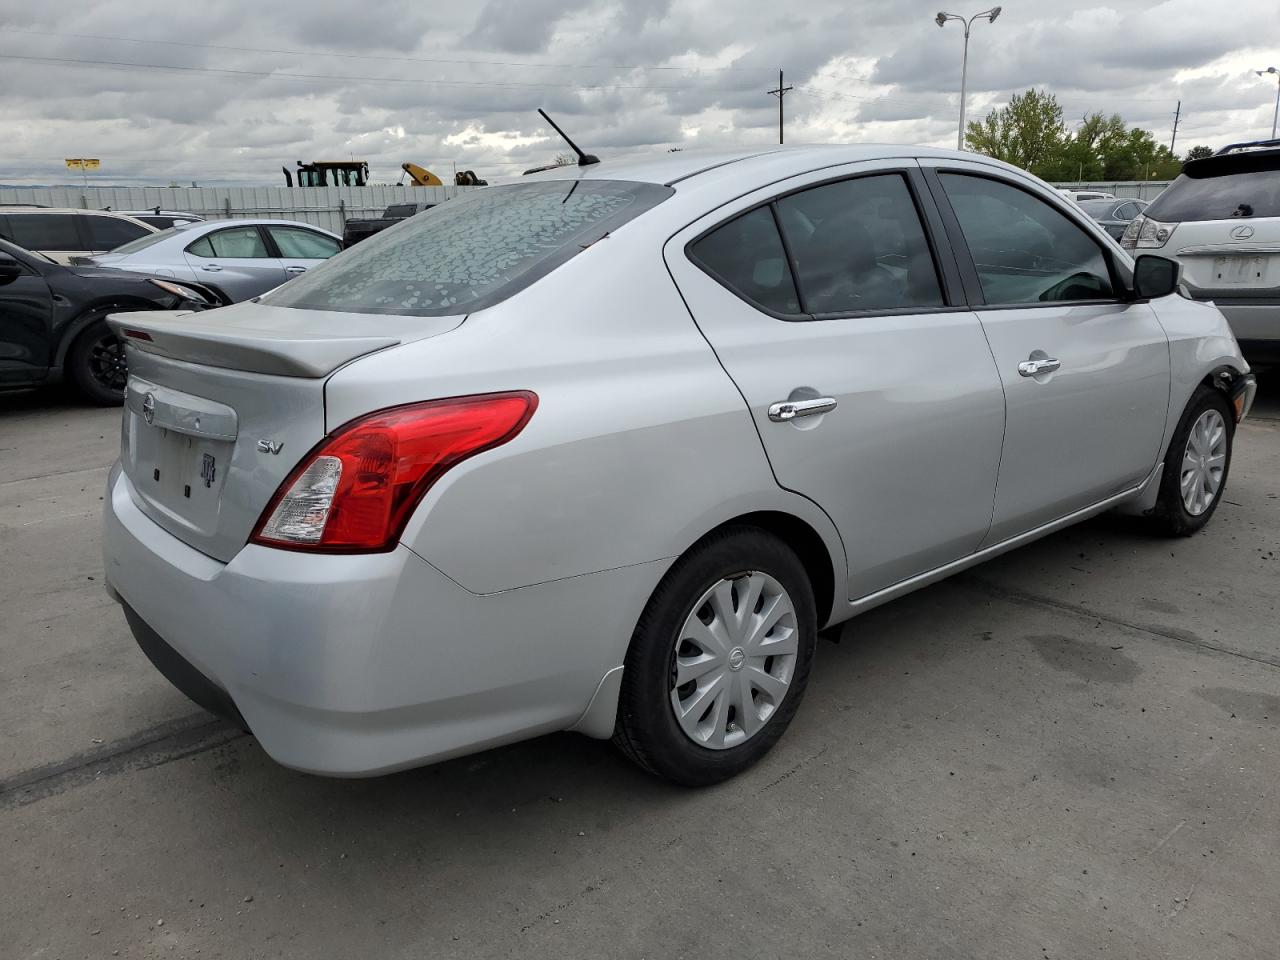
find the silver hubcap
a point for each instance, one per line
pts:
(1203, 462)
(734, 660)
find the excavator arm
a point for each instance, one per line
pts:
(420, 176)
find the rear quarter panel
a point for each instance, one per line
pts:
(639, 446)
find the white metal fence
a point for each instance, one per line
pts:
(1138, 189)
(325, 207)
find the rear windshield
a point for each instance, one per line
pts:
(143, 242)
(1254, 193)
(1097, 208)
(472, 252)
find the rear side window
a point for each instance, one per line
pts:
(298, 244)
(1253, 193)
(1025, 251)
(237, 243)
(472, 252)
(45, 231)
(401, 210)
(107, 233)
(859, 245)
(746, 255)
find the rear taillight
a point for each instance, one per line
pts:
(1143, 233)
(355, 491)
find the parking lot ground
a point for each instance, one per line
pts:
(1068, 752)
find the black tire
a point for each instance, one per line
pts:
(96, 365)
(1171, 516)
(647, 730)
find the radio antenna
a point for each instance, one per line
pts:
(584, 159)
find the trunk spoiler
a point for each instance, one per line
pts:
(216, 339)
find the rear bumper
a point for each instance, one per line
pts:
(1254, 322)
(359, 665)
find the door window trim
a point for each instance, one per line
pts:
(1120, 282)
(946, 268)
(263, 236)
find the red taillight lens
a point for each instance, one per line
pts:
(354, 492)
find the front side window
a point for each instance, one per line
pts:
(746, 255)
(45, 231)
(298, 244)
(239, 243)
(1025, 251)
(472, 252)
(859, 245)
(107, 233)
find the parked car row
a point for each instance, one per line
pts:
(63, 271)
(52, 320)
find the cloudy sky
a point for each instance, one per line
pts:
(226, 91)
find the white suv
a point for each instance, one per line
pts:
(1221, 220)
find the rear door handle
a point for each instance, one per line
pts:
(791, 409)
(1030, 368)
(211, 267)
(295, 269)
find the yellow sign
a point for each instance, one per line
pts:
(83, 163)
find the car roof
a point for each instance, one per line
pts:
(673, 168)
(7, 208)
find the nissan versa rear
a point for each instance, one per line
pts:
(603, 450)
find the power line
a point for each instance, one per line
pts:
(273, 75)
(465, 61)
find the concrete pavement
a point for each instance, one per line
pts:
(1068, 752)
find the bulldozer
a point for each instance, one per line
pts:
(324, 173)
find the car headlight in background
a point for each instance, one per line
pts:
(185, 293)
(1143, 233)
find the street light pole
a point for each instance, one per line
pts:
(1275, 114)
(941, 20)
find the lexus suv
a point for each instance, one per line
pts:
(1221, 220)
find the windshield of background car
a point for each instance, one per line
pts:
(472, 251)
(1097, 208)
(133, 246)
(1233, 193)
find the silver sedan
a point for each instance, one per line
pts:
(239, 259)
(604, 450)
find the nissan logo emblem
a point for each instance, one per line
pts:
(1242, 232)
(149, 407)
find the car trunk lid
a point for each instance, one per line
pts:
(221, 405)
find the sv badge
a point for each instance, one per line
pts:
(272, 447)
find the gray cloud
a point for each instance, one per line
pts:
(387, 82)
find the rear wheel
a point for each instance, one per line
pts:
(1196, 466)
(96, 364)
(719, 660)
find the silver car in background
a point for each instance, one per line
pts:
(238, 259)
(605, 449)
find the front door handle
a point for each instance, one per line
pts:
(791, 409)
(295, 269)
(1030, 368)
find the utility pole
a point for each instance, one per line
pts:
(1177, 115)
(780, 93)
(941, 20)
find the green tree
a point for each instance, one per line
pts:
(1199, 153)
(1028, 133)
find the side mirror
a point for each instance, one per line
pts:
(1155, 277)
(10, 269)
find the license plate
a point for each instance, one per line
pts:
(1240, 268)
(179, 473)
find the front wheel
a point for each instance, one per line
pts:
(1196, 466)
(719, 660)
(96, 364)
